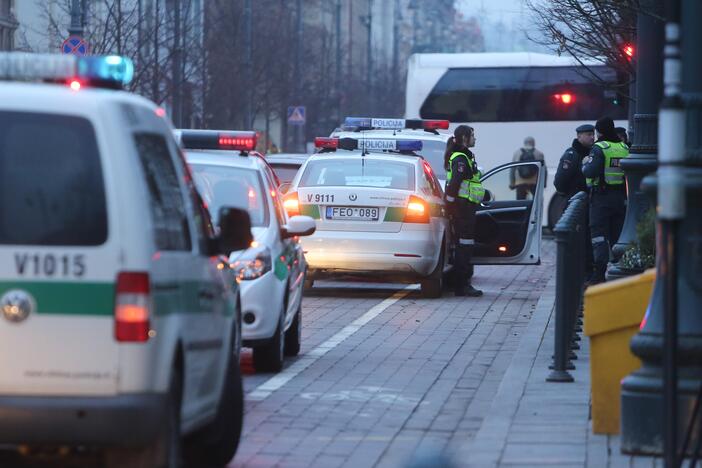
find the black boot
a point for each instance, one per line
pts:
(472, 292)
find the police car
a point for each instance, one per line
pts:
(285, 167)
(426, 131)
(379, 211)
(272, 272)
(119, 319)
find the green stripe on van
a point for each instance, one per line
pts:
(310, 210)
(67, 297)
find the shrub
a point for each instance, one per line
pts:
(641, 253)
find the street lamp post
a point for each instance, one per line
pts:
(76, 28)
(649, 90)
(669, 344)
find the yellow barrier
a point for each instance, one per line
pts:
(613, 312)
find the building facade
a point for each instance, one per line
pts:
(8, 24)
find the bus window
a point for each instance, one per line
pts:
(523, 94)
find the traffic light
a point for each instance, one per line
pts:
(628, 50)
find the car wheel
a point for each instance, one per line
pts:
(165, 451)
(433, 284)
(293, 337)
(269, 357)
(216, 444)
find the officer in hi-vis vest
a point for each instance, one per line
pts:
(605, 180)
(463, 194)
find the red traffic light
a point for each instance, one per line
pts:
(628, 51)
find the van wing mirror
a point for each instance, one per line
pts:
(234, 230)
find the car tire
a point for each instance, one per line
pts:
(165, 451)
(433, 285)
(269, 357)
(293, 337)
(216, 443)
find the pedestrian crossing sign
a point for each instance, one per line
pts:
(296, 115)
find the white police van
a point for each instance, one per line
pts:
(272, 272)
(119, 321)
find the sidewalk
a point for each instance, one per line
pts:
(532, 422)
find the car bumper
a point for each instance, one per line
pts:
(262, 297)
(130, 420)
(408, 252)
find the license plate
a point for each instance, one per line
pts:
(353, 213)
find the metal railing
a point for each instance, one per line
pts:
(571, 244)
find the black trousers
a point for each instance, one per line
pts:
(607, 210)
(463, 228)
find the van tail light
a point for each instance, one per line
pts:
(291, 204)
(132, 307)
(417, 210)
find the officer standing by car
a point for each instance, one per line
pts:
(464, 192)
(569, 178)
(605, 180)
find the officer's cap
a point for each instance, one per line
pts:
(585, 128)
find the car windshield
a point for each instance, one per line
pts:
(222, 186)
(285, 172)
(359, 172)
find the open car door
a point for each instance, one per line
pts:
(508, 225)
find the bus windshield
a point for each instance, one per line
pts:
(524, 94)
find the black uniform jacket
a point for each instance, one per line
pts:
(569, 178)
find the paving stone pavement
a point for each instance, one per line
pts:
(417, 379)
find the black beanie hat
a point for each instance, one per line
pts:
(605, 126)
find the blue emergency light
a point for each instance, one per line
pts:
(102, 71)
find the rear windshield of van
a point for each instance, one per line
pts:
(51, 184)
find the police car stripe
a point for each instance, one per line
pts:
(310, 210)
(70, 298)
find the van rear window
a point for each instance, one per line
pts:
(51, 183)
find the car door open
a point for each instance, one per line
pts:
(508, 225)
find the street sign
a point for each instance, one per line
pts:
(74, 45)
(297, 115)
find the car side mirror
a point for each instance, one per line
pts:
(234, 230)
(284, 187)
(488, 197)
(298, 226)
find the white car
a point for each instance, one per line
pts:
(119, 319)
(427, 131)
(272, 272)
(380, 213)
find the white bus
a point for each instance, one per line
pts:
(509, 96)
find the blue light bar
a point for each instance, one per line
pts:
(111, 69)
(409, 145)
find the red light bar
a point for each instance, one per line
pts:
(325, 142)
(435, 124)
(237, 142)
(565, 98)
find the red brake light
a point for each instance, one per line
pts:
(417, 210)
(291, 204)
(324, 142)
(435, 124)
(428, 170)
(235, 142)
(132, 307)
(565, 98)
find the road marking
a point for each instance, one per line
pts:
(274, 383)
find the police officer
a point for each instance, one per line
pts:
(463, 194)
(569, 178)
(605, 180)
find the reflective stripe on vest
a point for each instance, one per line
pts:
(613, 155)
(470, 189)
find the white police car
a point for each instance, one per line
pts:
(272, 272)
(119, 321)
(380, 213)
(426, 131)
